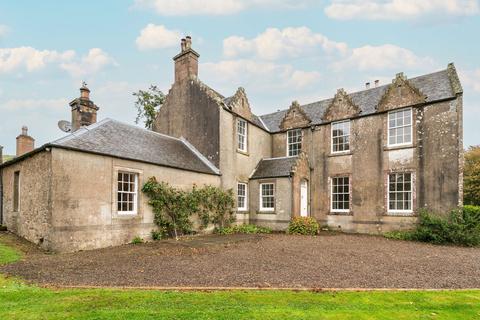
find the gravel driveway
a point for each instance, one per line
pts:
(277, 260)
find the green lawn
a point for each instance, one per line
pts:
(21, 301)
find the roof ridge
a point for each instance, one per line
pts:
(81, 131)
(146, 130)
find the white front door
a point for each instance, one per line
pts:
(304, 198)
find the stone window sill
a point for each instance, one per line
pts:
(350, 213)
(407, 146)
(245, 153)
(339, 154)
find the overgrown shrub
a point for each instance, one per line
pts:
(137, 240)
(173, 207)
(158, 234)
(244, 228)
(304, 226)
(460, 227)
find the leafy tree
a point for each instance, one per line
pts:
(148, 104)
(471, 176)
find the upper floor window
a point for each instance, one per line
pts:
(400, 127)
(340, 197)
(294, 142)
(242, 196)
(400, 193)
(127, 193)
(341, 136)
(267, 197)
(16, 191)
(242, 135)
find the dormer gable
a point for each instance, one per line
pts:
(239, 104)
(295, 117)
(341, 107)
(401, 93)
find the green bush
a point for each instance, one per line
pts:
(245, 228)
(158, 234)
(304, 226)
(460, 227)
(137, 240)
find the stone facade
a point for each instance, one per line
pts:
(68, 192)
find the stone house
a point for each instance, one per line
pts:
(359, 162)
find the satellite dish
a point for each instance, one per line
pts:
(65, 126)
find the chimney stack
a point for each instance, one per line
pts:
(186, 62)
(84, 111)
(377, 82)
(367, 85)
(25, 143)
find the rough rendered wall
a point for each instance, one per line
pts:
(84, 199)
(439, 183)
(278, 219)
(238, 166)
(32, 221)
(191, 112)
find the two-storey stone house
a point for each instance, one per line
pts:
(359, 162)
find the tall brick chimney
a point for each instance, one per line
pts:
(186, 62)
(84, 111)
(25, 143)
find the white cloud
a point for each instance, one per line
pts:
(260, 74)
(94, 61)
(214, 7)
(3, 30)
(470, 78)
(35, 104)
(157, 37)
(274, 43)
(30, 59)
(399, 9)
(382, 57)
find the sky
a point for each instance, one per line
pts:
(278, 50)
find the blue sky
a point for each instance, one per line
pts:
(278, 50)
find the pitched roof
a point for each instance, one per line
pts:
(435, 86)
(113, 138)
(274, 167)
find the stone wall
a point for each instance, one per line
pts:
(32, 220)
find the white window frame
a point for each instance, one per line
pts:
(262, 208)
(135, 193)
(290, 144)
(331, 195)
(245, 197)
(403, 126)
(331, 136)
(397, 211)
(242, 135)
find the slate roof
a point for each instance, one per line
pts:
(113, 138)
(274, 167)
(436, 86)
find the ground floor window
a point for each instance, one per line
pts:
(340, 194)
(267, 197)
(400, 192)
(16, 191)
(127, 192)
(241, 196)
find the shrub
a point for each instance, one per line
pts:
(137, 240)
(304, 226)
(158, 234)
(460, 227)
(245, 228)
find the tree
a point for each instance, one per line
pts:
(471, 176)
(148, 104)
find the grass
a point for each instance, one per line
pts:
(21, 301)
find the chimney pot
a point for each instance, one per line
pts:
(377, 82)
(367, 85)
(186, 62)
(183, 44)
(84, 111)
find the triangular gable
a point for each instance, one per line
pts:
(341, 107)
(240, 105)
(295, 117)
(401, 93)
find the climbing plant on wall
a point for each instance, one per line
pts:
(173, 208)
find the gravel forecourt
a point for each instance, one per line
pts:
(330, 260)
